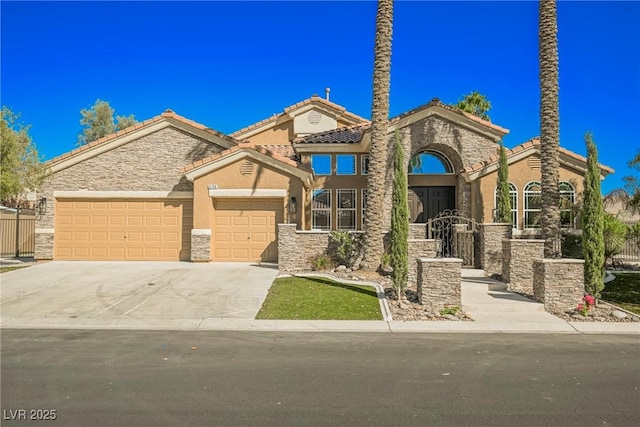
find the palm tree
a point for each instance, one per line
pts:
(378, 153)
(549, 124)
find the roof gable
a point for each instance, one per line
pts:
(255, 152)
(527, 149)
(134, 132)
(315, 102)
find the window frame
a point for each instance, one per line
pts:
(568, 194)
(364, 159)
(325, 209)
(354, 157)
(330, 164)
(341, 210)
(513, 195)
(526, 193)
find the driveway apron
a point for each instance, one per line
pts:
(141, 293)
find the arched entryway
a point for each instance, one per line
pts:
(432, 185)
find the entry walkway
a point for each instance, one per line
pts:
(487, 301)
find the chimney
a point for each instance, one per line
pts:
(327, 91)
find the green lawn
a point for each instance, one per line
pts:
(314, 298)
(624, 291)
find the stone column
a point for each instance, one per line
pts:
(43, 244)
(491, 236)
(201, 245)
(558, 283)
(517, 263)
(418, 248)
(439, 282)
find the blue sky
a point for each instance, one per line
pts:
(230, 64)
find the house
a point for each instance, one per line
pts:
(173, 189)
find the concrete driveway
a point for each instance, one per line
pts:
(132, 295)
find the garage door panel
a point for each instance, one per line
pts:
(245, 230)
(123, 229)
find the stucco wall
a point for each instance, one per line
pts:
(520, 174)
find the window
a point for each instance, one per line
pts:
(364, 205)
(532, 205)
(567, 200)
(321, 164)
(346, 209)
(346, 164)
(321, 210)
(364, 164)
(513, 196)
(429, 163)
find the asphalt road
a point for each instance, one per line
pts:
(153, 378)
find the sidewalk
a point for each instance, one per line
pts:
(493, 308)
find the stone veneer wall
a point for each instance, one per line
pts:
(417, 230)
(558, 283)
(418, 248)
(517, 263)
(296, 248)
(439, 282)
(43, 244)
(150, 163)
(200, 245)
(491, 236)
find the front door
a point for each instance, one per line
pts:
(427, 202)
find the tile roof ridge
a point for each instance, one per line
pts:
(355, 126)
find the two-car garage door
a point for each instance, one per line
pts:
(141, 229)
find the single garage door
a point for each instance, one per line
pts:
(245, 229)
(123, 230)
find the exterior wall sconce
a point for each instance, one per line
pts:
(41, 206)
(293, 205)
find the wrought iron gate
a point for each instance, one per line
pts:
(454, 235)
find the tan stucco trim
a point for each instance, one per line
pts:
(330, 148)
(247, 192)
(565, 160)
(123, 194)
(435, 110)
(197, 172)
(201, 232)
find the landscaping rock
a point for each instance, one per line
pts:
(450, 317)
(619, 314)
(341, 268)
(578, 316)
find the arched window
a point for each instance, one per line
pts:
(513, 196)
(532, 205)
(567, 200)
(429, 162)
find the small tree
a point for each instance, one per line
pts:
(593, 220)
(98, 121)
(475, 103)
(503, 196)
(399, 222)
(20, 165)
(615, 234)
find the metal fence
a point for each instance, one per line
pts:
(630, 252)
(26, 240)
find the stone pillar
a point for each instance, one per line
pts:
(558, 283)
(201, 245)
(417, 230)
(517, 263)
(491, 236)
(418, 248)
(297, 248)
(439, 282)
(43, 244)
(286, 241)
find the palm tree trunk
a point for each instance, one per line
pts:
(549, 124)
(378, 153)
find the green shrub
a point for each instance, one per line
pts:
(571, 245)
(615, 234)
(321, 262)
(450, 309)
(345, 247)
